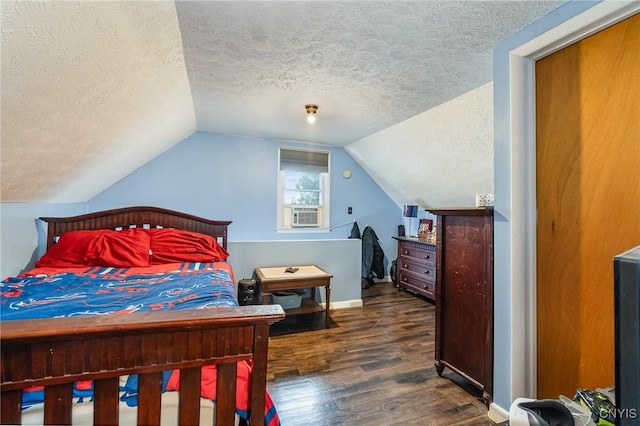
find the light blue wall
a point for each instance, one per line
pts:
(218, 177)
(23, 236)
(235, 178)
(507, 369)
(340, 258)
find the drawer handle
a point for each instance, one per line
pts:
(426, 272)
(405, 279)
(427, 257)
(405, 266)
(406, 252)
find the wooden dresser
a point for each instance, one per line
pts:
(417, 266)
(464, 295)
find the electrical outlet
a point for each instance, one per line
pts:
(349, 210)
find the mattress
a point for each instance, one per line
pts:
(82, 413)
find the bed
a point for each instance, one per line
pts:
(151, 342)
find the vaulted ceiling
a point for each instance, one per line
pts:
(92, 90)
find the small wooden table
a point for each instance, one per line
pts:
(307, 276)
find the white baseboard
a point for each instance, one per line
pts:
(497, 414)
(357, 303)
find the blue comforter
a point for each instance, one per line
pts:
(98, 290)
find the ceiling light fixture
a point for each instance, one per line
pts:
(312, 109)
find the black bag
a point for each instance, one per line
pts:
(372, 255)
(355, 230)
(377, 267)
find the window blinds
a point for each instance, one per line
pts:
(304, 160)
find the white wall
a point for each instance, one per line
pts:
(440, 158)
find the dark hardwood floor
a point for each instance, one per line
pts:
(374, 366)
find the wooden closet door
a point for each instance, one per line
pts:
(588, 200)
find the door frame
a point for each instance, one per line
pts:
(515, 360)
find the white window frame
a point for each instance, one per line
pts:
(284, 210)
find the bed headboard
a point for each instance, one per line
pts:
(136, 217)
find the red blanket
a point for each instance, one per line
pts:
(208, 390)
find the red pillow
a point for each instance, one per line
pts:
(126, 248)
(69, 252)
(103, 247)
(174, 245)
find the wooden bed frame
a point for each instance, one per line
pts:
(57, 352)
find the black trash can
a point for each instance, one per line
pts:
(248, 293)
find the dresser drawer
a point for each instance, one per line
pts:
(424, 271)
(410, 282)
(419, 254)
(416, 266)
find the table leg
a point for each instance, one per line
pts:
(327, 310)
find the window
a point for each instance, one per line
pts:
(303, 189)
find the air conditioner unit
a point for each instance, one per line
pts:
(304, 216)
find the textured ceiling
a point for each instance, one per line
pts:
(91, 90)
(368, 65)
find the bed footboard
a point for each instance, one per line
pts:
(55, 353)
